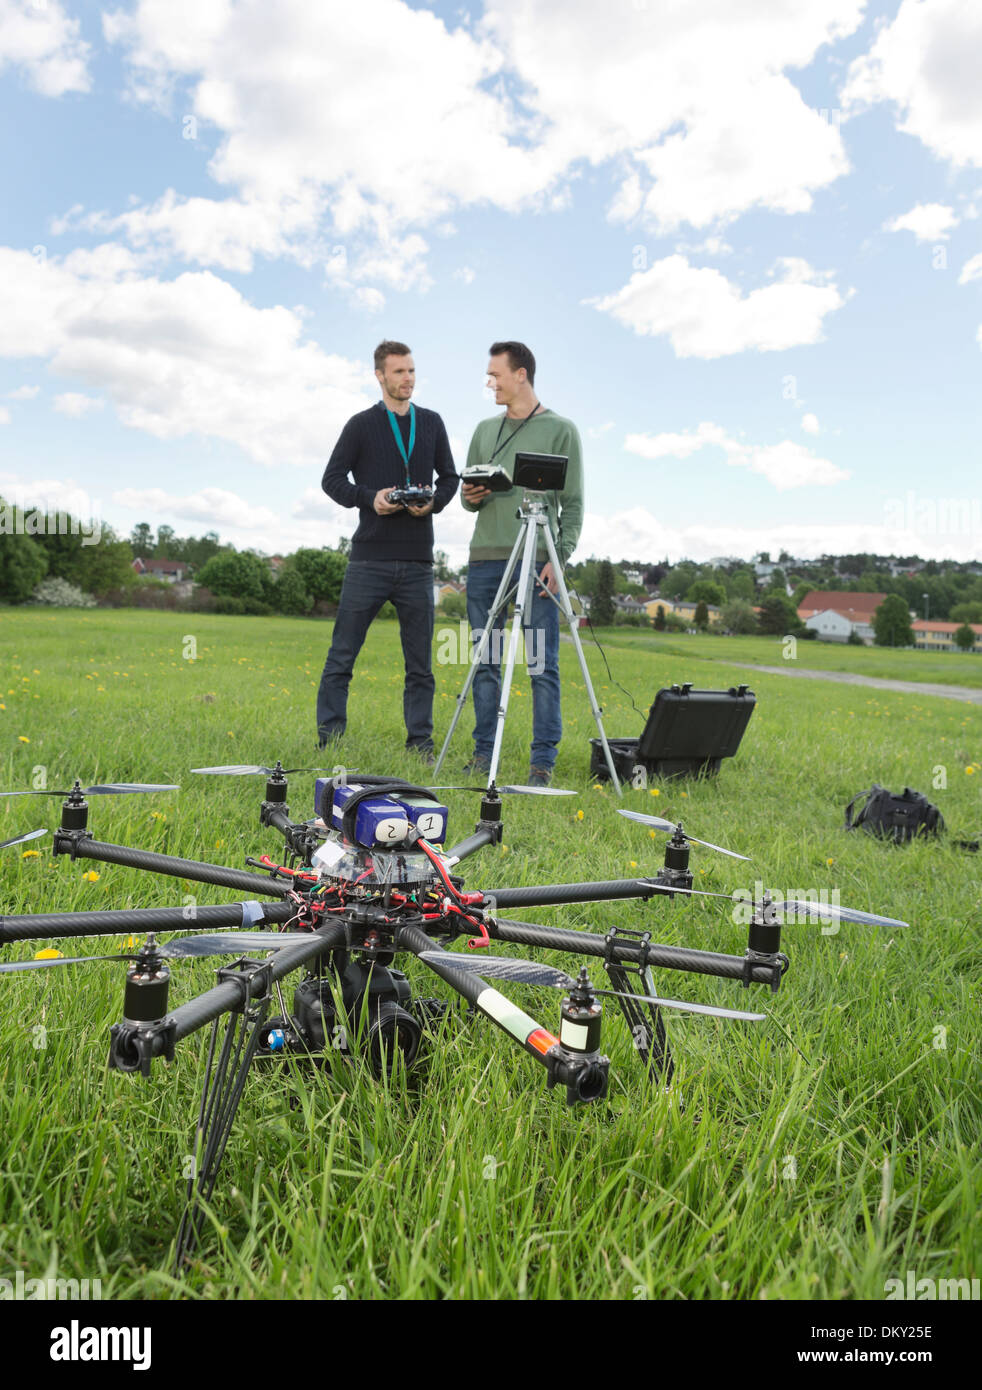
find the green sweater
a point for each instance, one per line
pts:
(497, 525)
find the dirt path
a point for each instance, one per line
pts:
(944, 692)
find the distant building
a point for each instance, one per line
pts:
(442, 590)
(174, 571)
(933, 636)
(684, 609)
(835, 614)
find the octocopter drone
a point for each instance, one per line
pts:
(368, 879)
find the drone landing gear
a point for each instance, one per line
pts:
(220, 1096)
(644, 1020)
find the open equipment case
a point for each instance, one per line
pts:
(688, 734)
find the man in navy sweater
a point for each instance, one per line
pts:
(390, 445)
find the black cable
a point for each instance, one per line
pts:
(607, 664)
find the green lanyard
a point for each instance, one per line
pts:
(398, 435)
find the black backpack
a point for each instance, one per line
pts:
(895, 817)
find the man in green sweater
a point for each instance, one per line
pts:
(526, 427)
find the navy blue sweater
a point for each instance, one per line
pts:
(366, 449)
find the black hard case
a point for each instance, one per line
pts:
(688, 733)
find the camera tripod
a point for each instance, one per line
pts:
(534, 518)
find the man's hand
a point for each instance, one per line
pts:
(474, 493)
(549, 579)
(382, 504)
(421, 511)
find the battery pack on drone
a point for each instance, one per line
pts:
(378, 820)
(429, 817)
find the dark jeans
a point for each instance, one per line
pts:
(541, 630)
(367, 585)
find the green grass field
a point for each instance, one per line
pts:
(818, 1154)
(883, 663)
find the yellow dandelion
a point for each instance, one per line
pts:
(579, 815)
(685, 793)
(830, 862)
(49, 953)
(91, 876)
(654, 792)
(129, 943)
(969, 770)
(31, 854)
(652, 834)
(22, 739)
(157, 815)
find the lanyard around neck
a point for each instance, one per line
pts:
(398, 435)
(498, 446)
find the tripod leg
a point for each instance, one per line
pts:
(500, 602)
(523, 603)
(573, 625)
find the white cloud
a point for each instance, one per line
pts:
(464, 274)
(4, 415)
(50, 494)
(639, 532)
(23, 393)
(809, 423)
(678, 446)
(371, 299)
(926, 62)
(221, 509)
(705, 315)
(971, 270)
(702, 120)
(785, 465)
(928, 222)
(75, 405)
(189, 356)
(43, 44)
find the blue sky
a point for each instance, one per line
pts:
(743, 241)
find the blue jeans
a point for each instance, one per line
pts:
(541, 630)
(367, 585)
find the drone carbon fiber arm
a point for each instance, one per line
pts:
(137, 1043)
(635, 952)
(81, 847)
(45, 925)
(591, 892)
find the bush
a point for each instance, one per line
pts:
(58, 593)
(454, 606)
(738, 616)
(630, 620)
(853, 640)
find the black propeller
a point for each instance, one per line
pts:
(796, 906)
(254, 769)
(533, 973)
(217, 944)
(517, 789)
(21, 839)
(105, 789)
(671, 829)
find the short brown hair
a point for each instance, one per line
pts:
(518, 356)
(389, 348)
